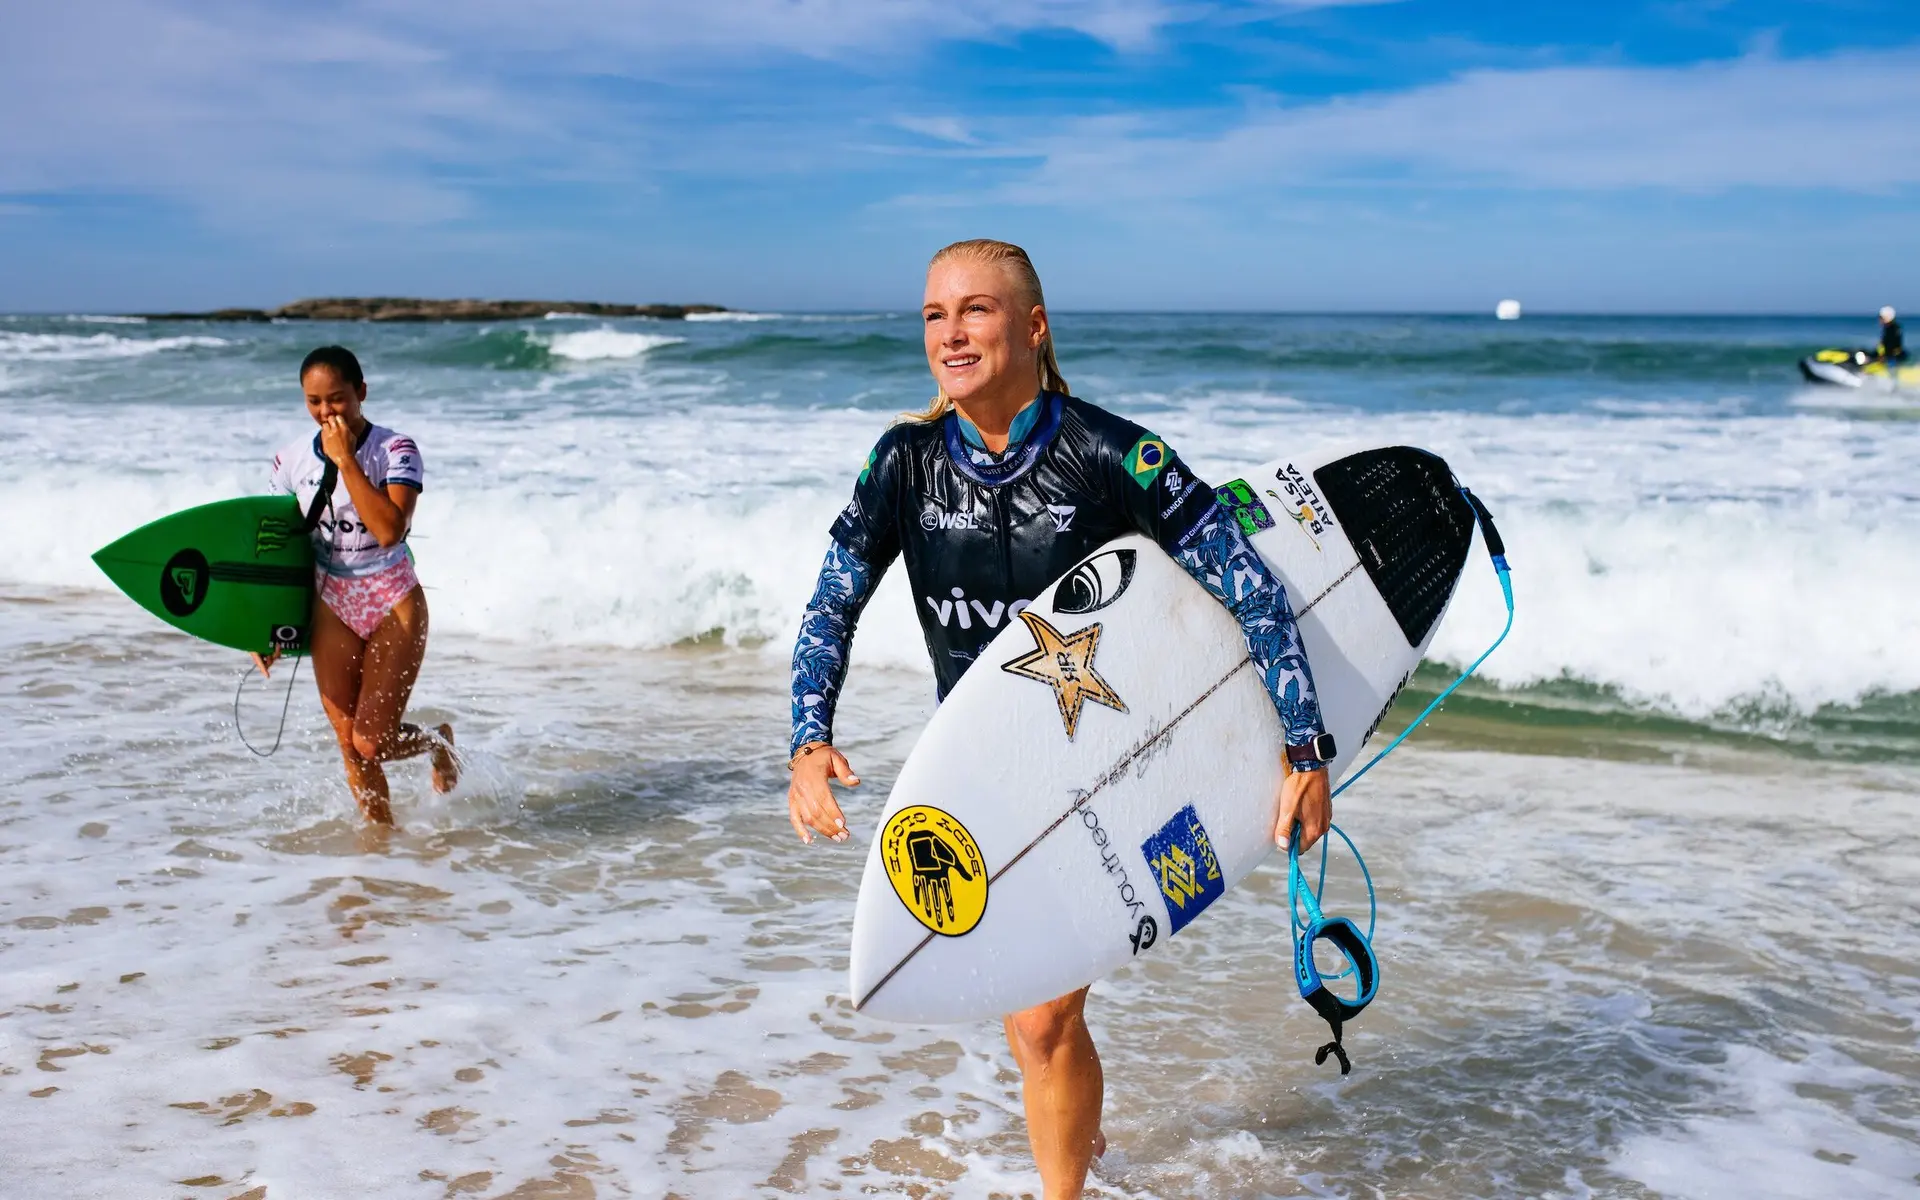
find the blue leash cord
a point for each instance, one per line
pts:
(1310, 924)
(1498, 551)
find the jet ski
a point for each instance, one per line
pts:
(1859, 369)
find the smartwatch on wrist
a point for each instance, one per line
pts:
(1314, 753)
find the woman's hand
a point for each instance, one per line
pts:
(810, 803)
(1306, 798)
(385, 512)
(265, 662)
(336, 441)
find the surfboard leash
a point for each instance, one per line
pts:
(322, 502)
(292, 679)
(1310, 924)
(1496, 550)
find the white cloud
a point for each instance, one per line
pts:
(1839, 122)
(822, 28)
(239, 111)
(394, 112)
(941, 129)
(387, 111)
(651, 30)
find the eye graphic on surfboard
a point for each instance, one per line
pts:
(1095, 583)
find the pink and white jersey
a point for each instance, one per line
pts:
(342, 545)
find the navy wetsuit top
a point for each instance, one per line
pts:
(982, 533)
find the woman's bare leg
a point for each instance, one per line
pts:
(337, 659)
(387, 675)
(446, 765)
(1061, 1082)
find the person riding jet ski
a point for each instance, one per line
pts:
(1880, 367)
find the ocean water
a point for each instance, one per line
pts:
(1647, 886)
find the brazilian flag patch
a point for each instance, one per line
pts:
(1146, 460)
(866, 468)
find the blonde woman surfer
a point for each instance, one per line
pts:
(369, 629)
(1029, 480)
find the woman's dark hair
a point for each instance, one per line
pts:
(339, 360)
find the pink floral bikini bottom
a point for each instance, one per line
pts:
(364, 601)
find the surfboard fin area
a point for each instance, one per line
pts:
(1404, 514)
(1103, 832)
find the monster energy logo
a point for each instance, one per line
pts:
(270, 535)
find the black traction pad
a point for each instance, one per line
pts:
(1407, 520)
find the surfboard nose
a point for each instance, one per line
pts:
(238, 573)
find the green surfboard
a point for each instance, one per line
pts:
(236, 573)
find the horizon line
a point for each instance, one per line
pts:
(1486, 313)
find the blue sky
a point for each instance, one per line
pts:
(1685, 155)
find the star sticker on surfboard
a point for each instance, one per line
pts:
(1064, 662)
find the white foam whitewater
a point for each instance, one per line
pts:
(1690, 563)
(590, 345)
(69, 347)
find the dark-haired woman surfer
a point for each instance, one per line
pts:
(992, 493)
(370, 620)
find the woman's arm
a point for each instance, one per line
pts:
(865, 541)
(1217, 554)
(826, 636)
(819, 667)
(386, 512)
(1176, 508)
(1171, 505)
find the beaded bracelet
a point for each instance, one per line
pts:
(805, 750)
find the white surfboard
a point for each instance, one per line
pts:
(1109, 766)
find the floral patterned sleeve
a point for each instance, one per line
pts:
(1216, 552)
(1175, 507)
(826, 635)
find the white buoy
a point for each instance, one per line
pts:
(1507, 310)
